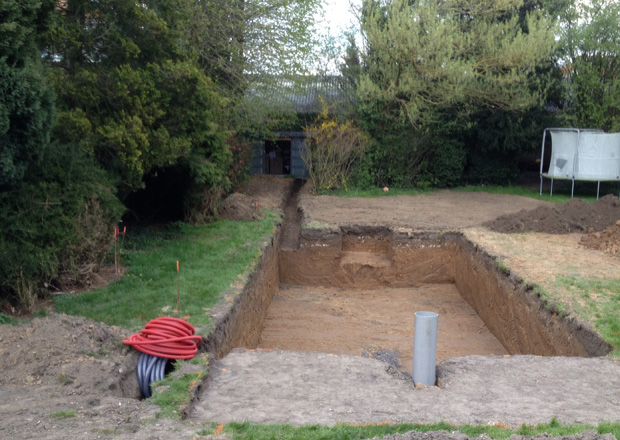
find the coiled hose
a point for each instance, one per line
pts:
(162, 339)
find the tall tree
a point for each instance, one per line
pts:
(26, 100)
(130, 88)
(591, 43)
(429, 54)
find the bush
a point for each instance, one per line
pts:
(58, 225)
(331, 150)
(239, 170)
(446, 165)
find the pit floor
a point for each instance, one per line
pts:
(371, 322)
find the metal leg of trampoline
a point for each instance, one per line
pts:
(572, 189)
(598, 188)
(541, 180)
(551, 190)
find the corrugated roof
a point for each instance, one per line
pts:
(302, 94)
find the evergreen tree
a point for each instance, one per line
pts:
(26, 99)
(591, 64)
(429, 55)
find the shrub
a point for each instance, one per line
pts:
(331, 150)
(57, 225)
(239, 170)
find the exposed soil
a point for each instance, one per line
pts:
(574, 215)
(607, 241)
(358, 321)
(239, 206)
(437, 211)
(60, 363)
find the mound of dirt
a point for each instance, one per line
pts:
(607, 241)
(572, 216)
(72, 354)
(238, 206)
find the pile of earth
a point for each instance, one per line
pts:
(238, 206)
(607, 241)
(572, 216)
(71, 353)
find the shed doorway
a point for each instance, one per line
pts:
(278, 157)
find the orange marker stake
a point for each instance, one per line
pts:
(116, 248)
(178, 289)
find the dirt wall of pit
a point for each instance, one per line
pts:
(368, 257)
(514, 312)
(241, 321)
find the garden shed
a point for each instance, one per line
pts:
(300, 100)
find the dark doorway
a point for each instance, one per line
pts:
(278, 156)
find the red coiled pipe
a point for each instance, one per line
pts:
(166, 337)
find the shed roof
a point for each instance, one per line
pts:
(301, 94)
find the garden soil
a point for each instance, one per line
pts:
(67, 377)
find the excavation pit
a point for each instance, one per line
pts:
(355, 291)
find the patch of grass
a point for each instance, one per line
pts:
(375, 192)
(502, 267)
(67, 414)
(560, 195)
(352, 432)
(8, 319)
(211, 258)
(525, 192)
(601, 297)
(174, 393)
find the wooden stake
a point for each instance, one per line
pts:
(178, 290)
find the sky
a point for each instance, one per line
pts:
(338, 15)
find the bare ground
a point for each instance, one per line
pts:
(57, 365)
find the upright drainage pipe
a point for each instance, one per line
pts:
(425, 348)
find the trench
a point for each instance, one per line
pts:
(355, 290)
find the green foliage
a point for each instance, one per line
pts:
(426, 55)
(445, 92)
(349, 432)
(64, 414)
(448, 155)
(591, 43)
(132, 90)
(8, 319)
(331, 151)
(174, 392)
(164, 107)
(397, 153)
(26, 100)
(601, 299)
(239, 170)
(211, 258)
(57, 223)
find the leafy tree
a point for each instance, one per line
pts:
(56, 205)
(591, 42)
(26, 100)
(131, 89)
(432, 54)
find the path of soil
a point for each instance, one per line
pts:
(62, 365)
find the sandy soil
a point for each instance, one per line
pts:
(366, 321)
(436, 211)
(59, 363)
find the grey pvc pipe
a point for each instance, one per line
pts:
(425, 348)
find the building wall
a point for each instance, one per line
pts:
(298, 167)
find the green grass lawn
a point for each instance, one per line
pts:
(558, 196)
(562, 195)
(211, 258)
(249, 431)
